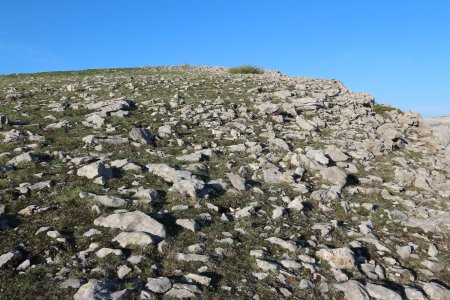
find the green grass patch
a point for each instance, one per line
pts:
(382, 108)
(247, 69)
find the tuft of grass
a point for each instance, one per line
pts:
(247, 69)
(382, 108)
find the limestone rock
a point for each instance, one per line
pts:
(183, 181)
(188, 224)
(133, 221)
(334, 175)
(94, 289)
(158, 285)
(134, 238)
(353, 290)
(9, 258)
(142, 136)
(96, 169)
(340, 258)
(25, 157)
(381, 292)
(237, 181)
(436, 291)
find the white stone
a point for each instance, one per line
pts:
(133, 221)
(380, 292)
(334, 175)
(138, 238)
(188, 224)
(122, 271)
(353, 290)
(237, 181)
(94, 289)
(158, 285)
(339, 258)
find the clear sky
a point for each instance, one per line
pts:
(398, 50)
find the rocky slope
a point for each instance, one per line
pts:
(440, 126)
(190, 182)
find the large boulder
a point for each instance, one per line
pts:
(334, 175)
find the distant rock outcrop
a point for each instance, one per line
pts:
(440, 127)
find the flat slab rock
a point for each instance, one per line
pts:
(340, 258)
(158, 285)
(94, 289)
(138, 238)
(133, 221)
(183, 181)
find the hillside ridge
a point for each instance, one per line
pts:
(191, 182)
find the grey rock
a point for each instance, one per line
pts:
(94, 289)
(245, 211)
(404, 252)
(147, 195)
(435, 291)
(203, 280)
(267, 265)
(237, 181)
(305, 124)
(193, 257)
(432, 250)
(108, 107)
(193, 157)
(158, 285)
(74, 283)
(433, 266)
(94, 121)
(103, 252)
(123, 271)
(142, 136)
(381, 292)
(353, 290)
(106, 200)
(188, 224)
(340, 258)
(183, 181)
(95, 169)
(180, 293)
(166, 131)
(25, 157)
(291, 264)
(413, 293)
(133, 221)
(334, 175)
(12, 136)
(267, 108)
(296, 204)
(138, 238)
(9, 257)
(107, 140)
(288, 245)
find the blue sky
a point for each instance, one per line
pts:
(397, 50)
